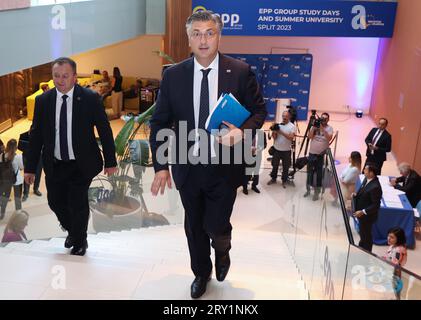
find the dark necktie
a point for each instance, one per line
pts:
(204, 99)
(64, 146)
(363, 186)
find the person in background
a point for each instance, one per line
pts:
(14, 230)
(254, 168)
(283, 134)
(367, 205)
(17, 165)
(320, 136)
(116, 92)
(350, 174)
(1, 146)
(411, 183)
(396, 253)
(379, 142)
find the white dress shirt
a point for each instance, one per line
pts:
(213, 95)
(377, 135)
(59, 102)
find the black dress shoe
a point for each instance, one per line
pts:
(79, 250)
(39, 194)
(222, 265)
(254, 188)
(69, 242)
(245, 191)
(198, 286)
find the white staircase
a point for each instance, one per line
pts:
(150, 263)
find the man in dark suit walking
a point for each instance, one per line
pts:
(63, 131)
(366, 205)
(189, 90)
(378, 141)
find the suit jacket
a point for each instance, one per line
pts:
(175, 104)
(412, 187)
(87, 113)
(384, 144)
(369, 198)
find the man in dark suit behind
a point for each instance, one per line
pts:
(63, 131)
(411, 183)
(379, 142)
(366, 204)
(188, 92)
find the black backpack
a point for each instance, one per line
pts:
(7, 174)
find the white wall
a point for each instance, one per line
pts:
(134, 58)
(343, 68)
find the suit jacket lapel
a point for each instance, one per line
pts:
(52, 113)
(189, 97)
(77, 99)
(224, 76)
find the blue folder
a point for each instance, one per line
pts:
(228, 109)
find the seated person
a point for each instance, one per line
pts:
(134, 90)
(411, 183)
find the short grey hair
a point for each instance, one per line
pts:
(204, 16)
(404, 167)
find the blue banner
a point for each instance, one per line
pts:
(303, 18)
(282, 76)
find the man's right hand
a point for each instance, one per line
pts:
(29, 178)
(162, 178)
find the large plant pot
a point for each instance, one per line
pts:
(111, 216)
(107, 215)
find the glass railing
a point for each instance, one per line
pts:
(120, 202)
(321, 242)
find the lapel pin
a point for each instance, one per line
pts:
(228, 70)
(78, 98)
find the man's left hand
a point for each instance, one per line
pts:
(358, 214)
(110, 171)
(233, 136)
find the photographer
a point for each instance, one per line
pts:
(283, 134)
(320, 134)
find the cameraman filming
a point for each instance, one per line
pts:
(320, 135)
(283, 134)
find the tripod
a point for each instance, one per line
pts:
(305, 142)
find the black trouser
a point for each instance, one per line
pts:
(377, 162)
(315, 165)
(366, 237)
(253, 176)
(5, 190)
(67, 194)
(208, 201)
(285, 156)
(37, 179)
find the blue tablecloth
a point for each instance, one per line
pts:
(394, 217)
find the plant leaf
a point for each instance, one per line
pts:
(123, 137)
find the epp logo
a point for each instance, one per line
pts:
(227, 19)
(305, 75)
(307, 58)
(263, 59)
(294, 83)
(272, 100)
(285, 59)
(253, 67)
(283, 75)
(303, 91)
(273, 84)
(296, 67)
(274, 67)
(283, 91)
(293, 100)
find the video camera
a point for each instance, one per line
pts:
(276, 126)
(315, 120)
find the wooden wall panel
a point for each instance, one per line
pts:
(175, 41)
